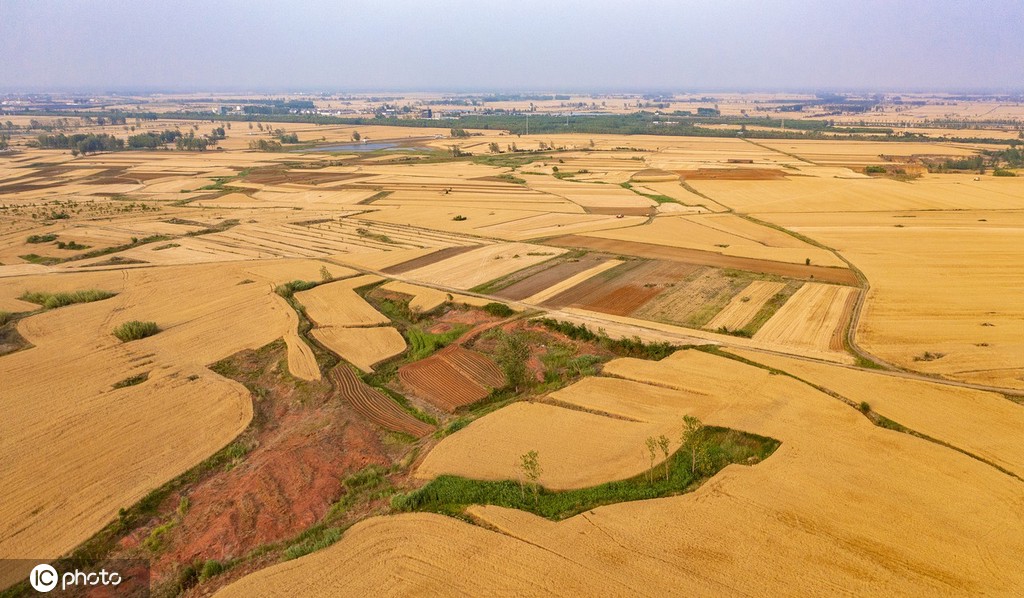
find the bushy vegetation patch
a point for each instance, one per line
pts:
(135, 330)
(55, 300)
(423, 344)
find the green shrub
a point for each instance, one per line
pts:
(288, 289)
(55, 300)
(134, 330)
(5, 317)
(498, 309)
(211, 568)
(41, 238)
(459, 218)
(1003, 172)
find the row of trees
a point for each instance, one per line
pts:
(79, 143)
(693, 443)
(153, 140)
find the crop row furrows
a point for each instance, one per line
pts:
(374, 405)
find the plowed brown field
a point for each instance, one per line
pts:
(623, 289)
(452, 378)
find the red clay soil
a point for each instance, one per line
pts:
(708, 258)
(303, 441)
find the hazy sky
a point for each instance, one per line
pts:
(340, 45)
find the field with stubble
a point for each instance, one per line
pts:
(323, 372)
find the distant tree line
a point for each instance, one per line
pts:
(153, 140)
(79, 143)
(637, 123)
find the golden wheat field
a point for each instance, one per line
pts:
(852, 302)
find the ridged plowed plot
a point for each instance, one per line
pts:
(452, 378)
(478, 367)
(374, 405)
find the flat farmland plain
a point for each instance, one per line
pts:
(941, 283)
(768, 249)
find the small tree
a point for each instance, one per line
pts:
(530, 465)
(663, 445)
(493, 148)
(356, 136)
(512, 354)
(695, 441)
(325, 274)
(652, 447)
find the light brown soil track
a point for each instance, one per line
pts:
(732, 174)
(374, 405)
(708, 258)
(624, 289)
(426, 260)
(544, 278)
(452, 378)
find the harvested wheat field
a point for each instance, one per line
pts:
(362, 347)
(985, 424)
(490, 447)
(568, 283)
(908, 508)
(941, 283)
(477, 266)
(337, 304)
(423, 298)
(745, 305)
(813, 318)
